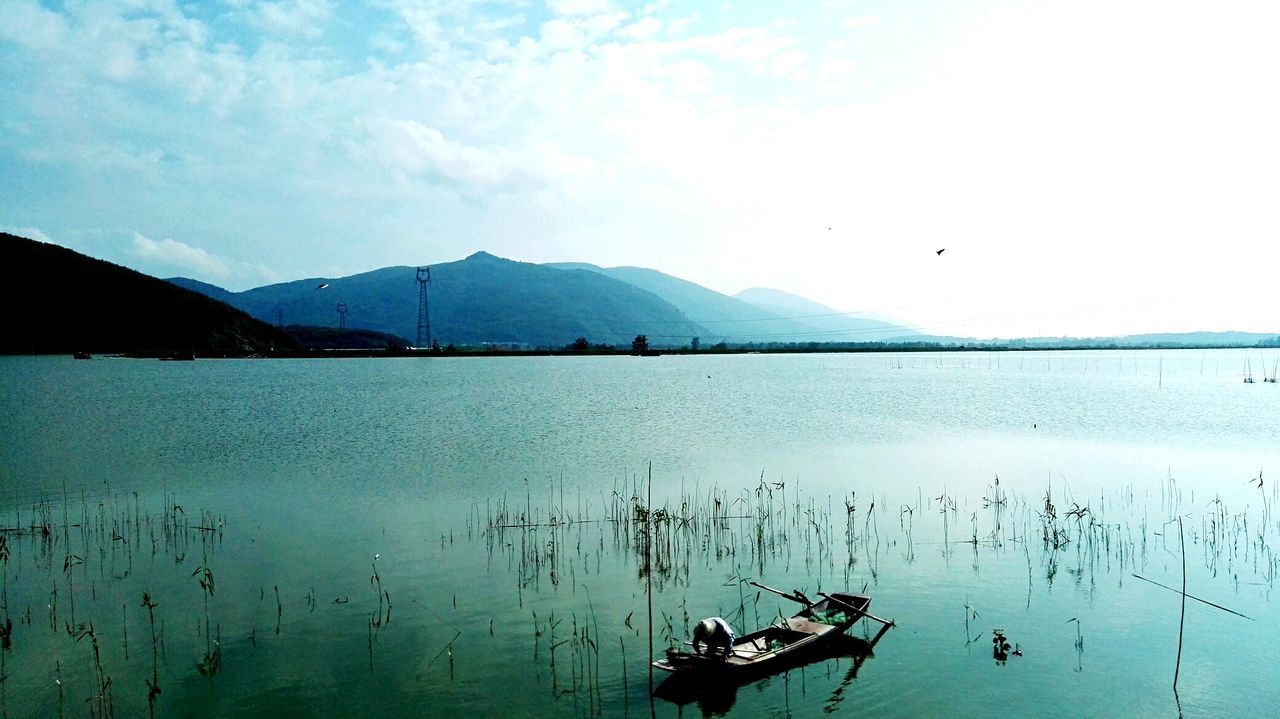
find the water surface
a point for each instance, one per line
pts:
(314, 467)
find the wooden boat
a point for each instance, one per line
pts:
(716, 694)
(759, 651)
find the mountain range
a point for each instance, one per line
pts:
(65, 302)
(755, 315)
(486, 299)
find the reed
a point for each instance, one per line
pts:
(153, 684)
(211, 663)
(100, 704)
(6, 627)
(695, 540)
(6, 622)
(1182, 614)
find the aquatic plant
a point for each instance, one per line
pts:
(100, 704)
(153, 684)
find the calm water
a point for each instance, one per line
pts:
(314, 467)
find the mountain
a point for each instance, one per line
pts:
(65, 302)
(724, 317)
(204, 288)
(832, 325)
(480, 299)
(1162, 339)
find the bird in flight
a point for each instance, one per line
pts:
(322, 285)
(942, 250)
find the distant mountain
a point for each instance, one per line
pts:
(831, 325)
(480, 299)
(725, 317)
(1199, 339)
(1163, 339)
(65, 302)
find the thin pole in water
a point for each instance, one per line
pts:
(1182, 619)
(648, 572)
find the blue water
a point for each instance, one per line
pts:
(313, 467)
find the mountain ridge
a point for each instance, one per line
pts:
(500, 301)
(831, 323)
(478, 300)
(724, 317)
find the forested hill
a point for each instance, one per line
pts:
(481, 299)
(60, 301)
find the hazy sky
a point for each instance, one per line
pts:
(1090, 167)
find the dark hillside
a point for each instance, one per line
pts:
(60, 301)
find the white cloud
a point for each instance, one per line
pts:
(579, 7)
(418, 149)
(173, 255)
(30, 25)
(642, 29)
(303, 18)
(752, 45)
(788, 62)
(858, 22)
(31, 233)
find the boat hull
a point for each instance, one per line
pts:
(761, 650)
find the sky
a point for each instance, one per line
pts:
(1090, 167)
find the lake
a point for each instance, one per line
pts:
(506, 501)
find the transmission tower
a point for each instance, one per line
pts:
(424, 316)
(342, 315)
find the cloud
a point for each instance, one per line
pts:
(32, 26)
(579, 7)
(858, 22)
(174, 255)
(419, 149)
(31, 233)
(642, 29)
(303, 18)
(788, 62)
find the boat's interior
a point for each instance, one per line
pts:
(767, 640)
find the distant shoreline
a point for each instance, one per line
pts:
(489, 352)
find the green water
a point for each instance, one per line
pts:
(311, 468)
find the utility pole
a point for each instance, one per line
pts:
(424, 316)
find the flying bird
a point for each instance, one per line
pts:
(942, 250)
(323, 285)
